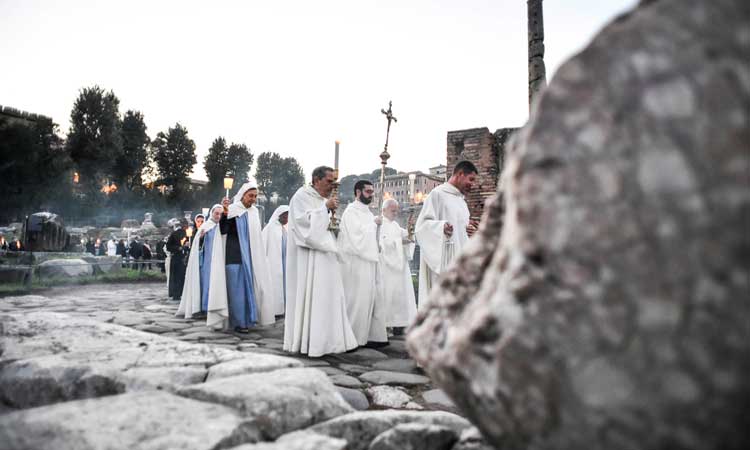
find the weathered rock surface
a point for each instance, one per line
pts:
(360, 428)
(280, 401)
(152, 420)
(388, 397)
(437, 397)
(51, 357)
(415, 436)
(396, 365)
(308, 441)
(65, 268)
(604, 303)
(354, 397)
(344, 380)
(393, 378)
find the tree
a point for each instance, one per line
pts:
(277, 175)
(174, 155)
(95, 140)
(375, 175)
(133, 160)
(215, 164)
(33, 168)
(239, 161)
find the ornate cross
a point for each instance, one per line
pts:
(388, 115)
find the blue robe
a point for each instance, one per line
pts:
(243, 311)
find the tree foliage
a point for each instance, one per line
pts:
(239, 161)
(33, 167)
(277, 175)
(174, 155)
(134, 158)
(215, 164)
(95, 141)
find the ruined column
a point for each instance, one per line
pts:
(537, 71)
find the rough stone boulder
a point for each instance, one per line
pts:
(305, 442)
(104, 264)
(359, 429)
(50, 357)
(280, 401)
(147, 420)
(414, 436)
(604, 303)
(65, 268)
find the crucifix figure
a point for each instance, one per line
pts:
(388, 115)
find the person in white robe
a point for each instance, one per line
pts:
(358, 247)
(249, 286)
(205, 289)
(275, 241)
(111, 248)
(316, 321)
(444, 226)
(396, 252)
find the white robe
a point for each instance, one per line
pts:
(397, 287)
(190, 302)
(444, 204)
(316, 320)
(111, 248)
(358, 248)
(264, 290)
(272, 238)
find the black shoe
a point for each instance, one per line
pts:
(375, 344)
(241, 330)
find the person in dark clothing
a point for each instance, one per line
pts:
(136, 252)
(177, 247)
(161, 254)
(147, 256)
(122, 251)
(90, 247)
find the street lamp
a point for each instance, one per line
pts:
(228, 183)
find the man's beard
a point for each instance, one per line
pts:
(365, 200)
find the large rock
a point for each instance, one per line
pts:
(49, 357)
(148, 420)
(65, 268)
(360, 428)
(395, 378)
(104, 264)
(280, 401)
(308, 441)
(388, 397)
(415, 436)
(604, 303)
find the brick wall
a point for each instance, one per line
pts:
(486, 150)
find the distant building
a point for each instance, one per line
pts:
(407, 189)
(439, 171)
(196, 184)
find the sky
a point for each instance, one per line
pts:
(293, 76)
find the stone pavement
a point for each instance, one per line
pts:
(117, 356)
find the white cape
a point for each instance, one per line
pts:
(444, 204)
(264, 292)
(397, 287)
(190, 302)
(272, 236)
(316, 320)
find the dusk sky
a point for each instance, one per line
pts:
(293, 76)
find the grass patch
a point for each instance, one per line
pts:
(121, 276)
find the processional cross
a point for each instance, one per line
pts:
(384, 156)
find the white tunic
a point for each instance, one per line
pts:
(397, 287)
(444, 204)
(316, 320)
(111, 248)
(358, 247)
(273, 234)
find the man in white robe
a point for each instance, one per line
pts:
(249, 286)
(358, 247)
(275, 240)
(396, 252)
(316, 321)
(443, 226)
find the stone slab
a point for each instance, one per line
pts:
(394, 378)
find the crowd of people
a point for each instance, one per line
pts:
(338, 286)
